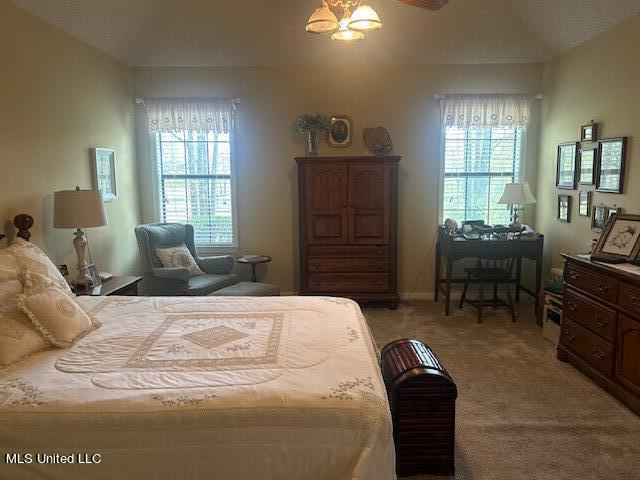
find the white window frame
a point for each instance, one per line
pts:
(441, 173)
(157, 201)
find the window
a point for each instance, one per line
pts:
(195, 184)
(478, 162)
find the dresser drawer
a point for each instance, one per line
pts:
(594, 283)
(348, 264)
(592, 349)
(596, 318)
(630, 298)
(348, 282)
(351, 251)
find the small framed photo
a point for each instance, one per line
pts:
(611, 210)
(584, 203)
(620, 237)
(599, 217)
(588, 157)
(103, 171)
(339, 131)
(564, 208)
(611, 165)
(566, 171)
(589, 133)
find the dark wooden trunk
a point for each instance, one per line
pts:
(422, 396)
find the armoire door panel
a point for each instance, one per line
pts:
(326, 204)
(628, 361)
(369, 204)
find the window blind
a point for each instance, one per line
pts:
(195, 184)
(478, 163)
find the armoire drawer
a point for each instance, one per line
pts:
(592, 349)
(349, 250)
(598, 285)
(630, 298)
(594, 317)
(348, 282)
(348, 264)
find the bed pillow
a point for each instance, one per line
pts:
(18, 338)
(179, 257)
(35, 260)
(56, 315)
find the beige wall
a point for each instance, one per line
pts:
(59, 97)
(399, 98)
(599, 80)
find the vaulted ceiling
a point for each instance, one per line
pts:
(271, 32)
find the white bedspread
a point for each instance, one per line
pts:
(222, 387)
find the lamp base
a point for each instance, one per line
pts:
(83, 277)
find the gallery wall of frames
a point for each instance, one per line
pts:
(591, 166)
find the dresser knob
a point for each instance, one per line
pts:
(572, 306)
(603, 287)
(379, 252)
(601, 322)
(635, 300)
(600, 355)
(379, 265)
(317, 265)
(378, 283)
(570, 336)
(574, 275)
(344, 204)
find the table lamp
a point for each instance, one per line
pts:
(79, 209)
(516, 194)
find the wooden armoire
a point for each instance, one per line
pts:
(348, 210)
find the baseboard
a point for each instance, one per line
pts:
(416, 296)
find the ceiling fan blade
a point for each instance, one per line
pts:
(428, 4)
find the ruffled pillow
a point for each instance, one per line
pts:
(56, 315)
(29, 257)
(179, 257)
(18, 338)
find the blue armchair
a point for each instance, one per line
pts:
(163, 281)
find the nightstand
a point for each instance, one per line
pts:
(127, 286)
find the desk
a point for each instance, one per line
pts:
(453, 249)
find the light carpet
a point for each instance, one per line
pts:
(521, 413)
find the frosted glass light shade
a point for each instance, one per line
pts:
(322, 20)
(345, 34)
(365, 19)
(517, 194)
(78, 209)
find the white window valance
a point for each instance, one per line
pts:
(466, 111)
(193, 114)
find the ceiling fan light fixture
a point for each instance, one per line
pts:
(345, 34)
(322, 20)
(365, 19)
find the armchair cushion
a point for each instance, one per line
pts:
(220, 265)
(175, 273)
(207, 283)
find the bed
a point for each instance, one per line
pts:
(205, 387)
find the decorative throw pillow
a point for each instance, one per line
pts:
(35, 260)
(18, 338)
(56, 315)
(179, 257)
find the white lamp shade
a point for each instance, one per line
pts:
(322, 20)
(517, 194)
(78, 209)
(365, 18)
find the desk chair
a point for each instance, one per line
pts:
(495, 267)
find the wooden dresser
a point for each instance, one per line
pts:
(601, 326)
(348, 216)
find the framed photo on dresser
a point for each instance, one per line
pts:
(611, 165)
(620, 237)
(566, 168)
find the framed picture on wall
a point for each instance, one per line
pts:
(339, 131)
(589, 133)
(620, 238)
(564, 208)
(588, 157)
(599, 217)
(584, 203)
(566, 171)
(611, 165)
(103, 172)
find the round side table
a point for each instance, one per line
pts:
(253, 260)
